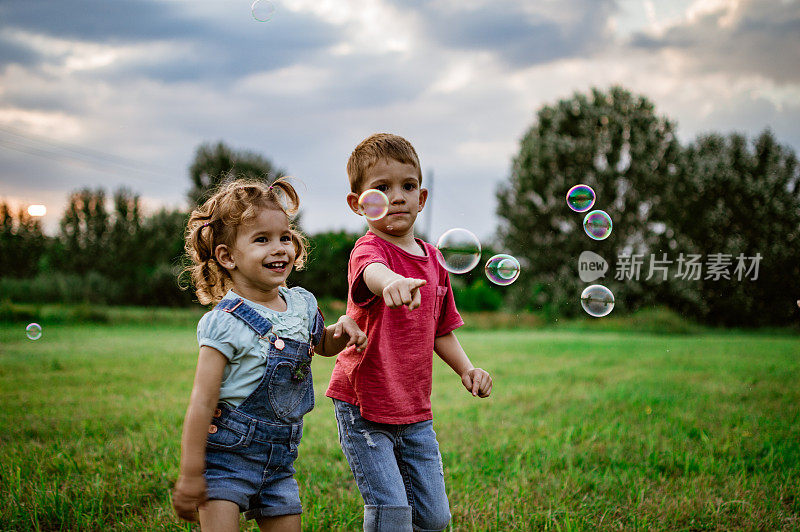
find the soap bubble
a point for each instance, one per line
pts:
(374, 204)
(580, 198)
(597, 225)
(459, 250)
(33, 331)
(262, 10)
(597, 300)
(502, 269)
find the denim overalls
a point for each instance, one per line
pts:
(251, 449)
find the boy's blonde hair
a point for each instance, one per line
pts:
(375, 148)
(216, 221)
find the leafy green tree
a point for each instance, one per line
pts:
(612, 141)
(123, 236)
(214, 164)
(160, 257)
(84, 231)
(22, 243)
(737, 202)
(325, 274)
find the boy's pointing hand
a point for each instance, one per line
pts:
(404, 291)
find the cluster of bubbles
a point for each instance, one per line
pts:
(460, 251)
(33, 331)
(596, 300)
(597, 223)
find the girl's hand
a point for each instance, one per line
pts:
(189, 494)
(477, 381)
(347, 325)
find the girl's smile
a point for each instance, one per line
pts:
(278, 267)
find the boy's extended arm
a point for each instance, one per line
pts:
(395, 289)
(476, 380)
(190, 488)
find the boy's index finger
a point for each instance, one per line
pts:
(416, 283)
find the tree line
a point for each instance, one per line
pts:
(120, 256)
(721, 207)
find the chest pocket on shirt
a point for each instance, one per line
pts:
(441, 291)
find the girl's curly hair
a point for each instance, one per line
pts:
(215, 222)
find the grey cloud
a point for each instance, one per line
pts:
(219, 48)
(521, 38)
(764, 38)
(99, 20)
(11, 52)
(365, 82)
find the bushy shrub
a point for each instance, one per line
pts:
(478, 296)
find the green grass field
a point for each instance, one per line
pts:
(584, 430)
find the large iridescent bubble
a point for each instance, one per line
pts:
(597, 300)
(374, 204)
(502, 269)
(597, 225)
(580, 198)
(459, 250)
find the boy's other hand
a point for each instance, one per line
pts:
(348, 326)
(477, 381)
(404, 291)
(188, 496)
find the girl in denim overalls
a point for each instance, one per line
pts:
(253, 380)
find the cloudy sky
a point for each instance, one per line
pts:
(116, 92)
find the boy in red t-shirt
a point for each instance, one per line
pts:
(401, 297)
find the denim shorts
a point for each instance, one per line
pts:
(250, 462)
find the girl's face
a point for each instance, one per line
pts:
(263, 253)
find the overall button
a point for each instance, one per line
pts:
(217, 412)
(279, 344)
(212, 429)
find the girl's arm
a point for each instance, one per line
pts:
(190, 489)
(341, 334)
(476, 380)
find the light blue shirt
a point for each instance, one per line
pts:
(245, 351)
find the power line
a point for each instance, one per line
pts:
(82, 150)
(86, 157)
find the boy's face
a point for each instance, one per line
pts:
(400, 183)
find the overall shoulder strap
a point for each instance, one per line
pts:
(247, 314)
(316, 321)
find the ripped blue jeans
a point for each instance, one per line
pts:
(398, 470)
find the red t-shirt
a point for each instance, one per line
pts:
(391, 379)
